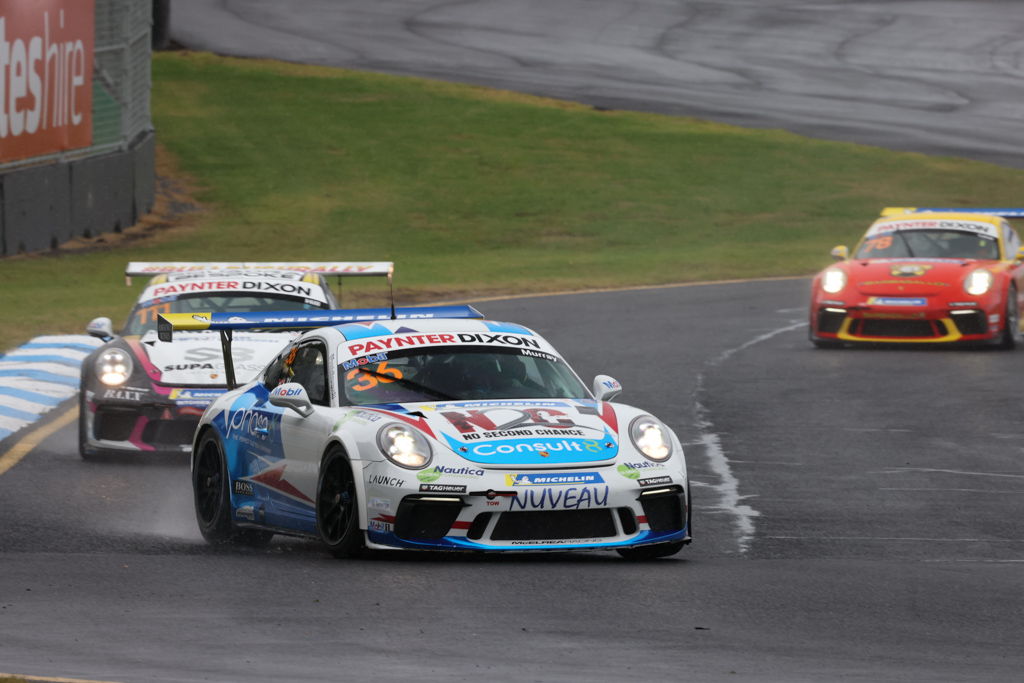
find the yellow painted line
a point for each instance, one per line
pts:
(606, 290)
(25, 446)
(53, 680)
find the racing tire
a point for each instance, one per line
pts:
(1011, 326)
(213, 500)
(82, 438)
(650, 552)
(337, 506)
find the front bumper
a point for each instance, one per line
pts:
(151, 424)
(488, 514)
(895, 325)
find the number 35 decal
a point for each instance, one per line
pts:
(369, 377)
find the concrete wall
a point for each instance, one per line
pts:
(42, 206)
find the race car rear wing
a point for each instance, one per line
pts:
(902, 210)
(226, 323)
(336, 269)
(346, 268)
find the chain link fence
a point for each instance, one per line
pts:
(121, 81)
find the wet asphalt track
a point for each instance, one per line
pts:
(858, 512)
(935, 76)
(856, 519)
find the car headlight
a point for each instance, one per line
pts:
(978, 282)
(833, 280)
(404, 446)
(114, 367)
(651, 438)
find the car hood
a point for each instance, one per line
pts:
(517, 433)
(196, 358)
(911, 277)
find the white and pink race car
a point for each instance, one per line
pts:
(139, 394)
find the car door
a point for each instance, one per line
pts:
(293, 478)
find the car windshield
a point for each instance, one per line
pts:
(456, 373)
(143, 316)
(929, 244)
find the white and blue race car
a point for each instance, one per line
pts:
(431, 429)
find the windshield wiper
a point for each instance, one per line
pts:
(903, 238)
(416, 386)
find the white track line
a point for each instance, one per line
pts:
(901, 470)
(730, 500)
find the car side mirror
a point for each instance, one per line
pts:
(606, 388)
(1020, 254)
(100, 327)
(840, 253)
(292, 395)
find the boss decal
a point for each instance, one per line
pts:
(243, 488)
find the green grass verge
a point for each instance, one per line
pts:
(475, 191)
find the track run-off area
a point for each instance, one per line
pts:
(857, 512)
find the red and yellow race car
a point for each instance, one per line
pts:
(923, 275)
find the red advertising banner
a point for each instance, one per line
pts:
(45, 76)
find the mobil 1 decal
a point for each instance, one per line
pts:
(529, 432)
